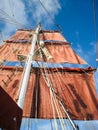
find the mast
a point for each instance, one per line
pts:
(25, 77)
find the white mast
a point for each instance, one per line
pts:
(24, 84)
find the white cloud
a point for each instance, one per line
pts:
(39, 13)
(88, 55)
(79, 49)
(91, 54)
(29, 11)
(13, 7)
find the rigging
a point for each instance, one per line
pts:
(11, 8)
(55, 99)
(1, 37)
(95, 28)
(5, 17)
(57, 25)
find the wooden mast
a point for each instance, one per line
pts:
(25, 78)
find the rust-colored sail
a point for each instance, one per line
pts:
(54, 42)
(74, 86)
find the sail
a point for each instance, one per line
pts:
(59, 79)
(54, 42)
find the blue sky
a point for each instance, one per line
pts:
(76, 18)
(78, 27)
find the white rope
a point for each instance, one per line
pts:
(59, 112)
(56, 126)
(51, 96)
(54, 102)
(57, 107)
(45, 74)
(49, 85)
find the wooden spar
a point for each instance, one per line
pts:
(25, 77)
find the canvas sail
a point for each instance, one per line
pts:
(55, 65)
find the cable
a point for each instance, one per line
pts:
(57, 107)
(4, 16)
(95, 28)
(73, 124)
(57, 25)
(1, 37)
(11, 8)
(51, 124)
(49, 84)
(51, 96)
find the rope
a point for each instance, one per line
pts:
(11, 8)
(29, 122)
(67, 114)
(51, 124)
(5, 17)
(58, 26)
(69, 95)
(59, 112)
(79, 104)
(56, 127)
(76, 128)
(53, 81)
(96, 80)
(95, 28)
(63, 48)
(63, 108)
(57, 108)
(51, 89)
(1, 37)
(49, 85)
